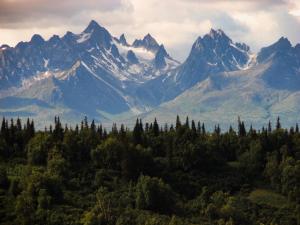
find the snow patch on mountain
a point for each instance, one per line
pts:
(83, 37)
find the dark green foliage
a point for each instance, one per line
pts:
(160, 175)
(4, 182)
(153, 194)
(37, 149)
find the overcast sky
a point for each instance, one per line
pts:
(175, 23)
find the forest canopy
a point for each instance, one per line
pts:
(150, 175)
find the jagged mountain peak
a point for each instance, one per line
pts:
(243, 46)
(123, 40)
(95, 28)
(148, 37)
(69, 36)
(93, 25)
(213, 53)
(160, 56)
(216, 33)
(131, 57)
(162, 49)
(218, 42)
(282, 46)
(95, 35)
(4, 47)
(37, 39)
(148, 42)
(54, 39)
(283, 42)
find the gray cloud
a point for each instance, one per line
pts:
(20, 13)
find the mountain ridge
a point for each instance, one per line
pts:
(104, 77)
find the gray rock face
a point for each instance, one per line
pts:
(148, 42)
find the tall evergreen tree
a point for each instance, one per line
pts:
(178, 123)
(155, 128)
(4, 128)
(93, 126)
(58, 132)
(199, 127)
(241, 128)
(187, 122)
(194, 129)
(278, 125)
(19, 124)
(297, 128)
(203, 129)
(141, 125)
(269, 127)
(137, 132)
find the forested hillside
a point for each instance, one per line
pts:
(171, 175)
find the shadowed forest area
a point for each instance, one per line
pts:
(171, 175)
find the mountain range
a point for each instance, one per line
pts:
(105, 78)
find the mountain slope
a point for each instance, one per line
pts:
(266, 89)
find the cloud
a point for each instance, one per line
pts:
(20, 13)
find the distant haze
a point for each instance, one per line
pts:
(175, 23)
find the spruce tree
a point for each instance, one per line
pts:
(3, 127)
(203, 129)
(137, 133)
(93, 126)
(194, 127)
(19, 124)
(269, 127)
(141, 126)
(278, 125)
(178, 123)
(187, 122)
(100, 131)
(155, 128)
(199, 127)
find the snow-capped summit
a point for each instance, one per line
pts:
(96, 34)
(213, 53)
(4, 47)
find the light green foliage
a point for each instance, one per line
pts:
(268, 197)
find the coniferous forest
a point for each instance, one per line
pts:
(149, 175)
